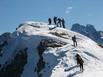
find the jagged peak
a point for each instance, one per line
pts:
(90, 27)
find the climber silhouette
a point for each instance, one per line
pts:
(74, 41)
(49, 21)
(59, 23)
(79, 62)
(55, 20)
(63, 22)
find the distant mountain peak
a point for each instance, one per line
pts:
(88, 30)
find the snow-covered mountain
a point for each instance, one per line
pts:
(37, 49)
(88, 31)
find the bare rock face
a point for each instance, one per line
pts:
(15, 68)
(44, 44)
(4, 39)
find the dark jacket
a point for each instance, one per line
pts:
(79, 59)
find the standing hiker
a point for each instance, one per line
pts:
(55, 20)
(79, 61)
(63, 22)
(74, 41)
(49, 21)
(59, 23)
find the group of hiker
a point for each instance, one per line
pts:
(59, 22)
(78, 57)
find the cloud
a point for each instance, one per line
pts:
(68, 9)
(89, 14)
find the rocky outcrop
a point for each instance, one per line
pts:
(15, 68)
(44, 44)
(4, 38)
(40, 64)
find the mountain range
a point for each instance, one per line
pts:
(89, 31)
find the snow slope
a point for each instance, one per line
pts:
(59, 61)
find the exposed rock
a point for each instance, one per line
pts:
(15, 68)
(40, 63)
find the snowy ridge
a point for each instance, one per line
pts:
(59, 61)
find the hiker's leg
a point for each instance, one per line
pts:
(82, 68)
(76, 43)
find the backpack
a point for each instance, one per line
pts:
(72, 38)
(79, 59)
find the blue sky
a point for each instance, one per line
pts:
(14, 12)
